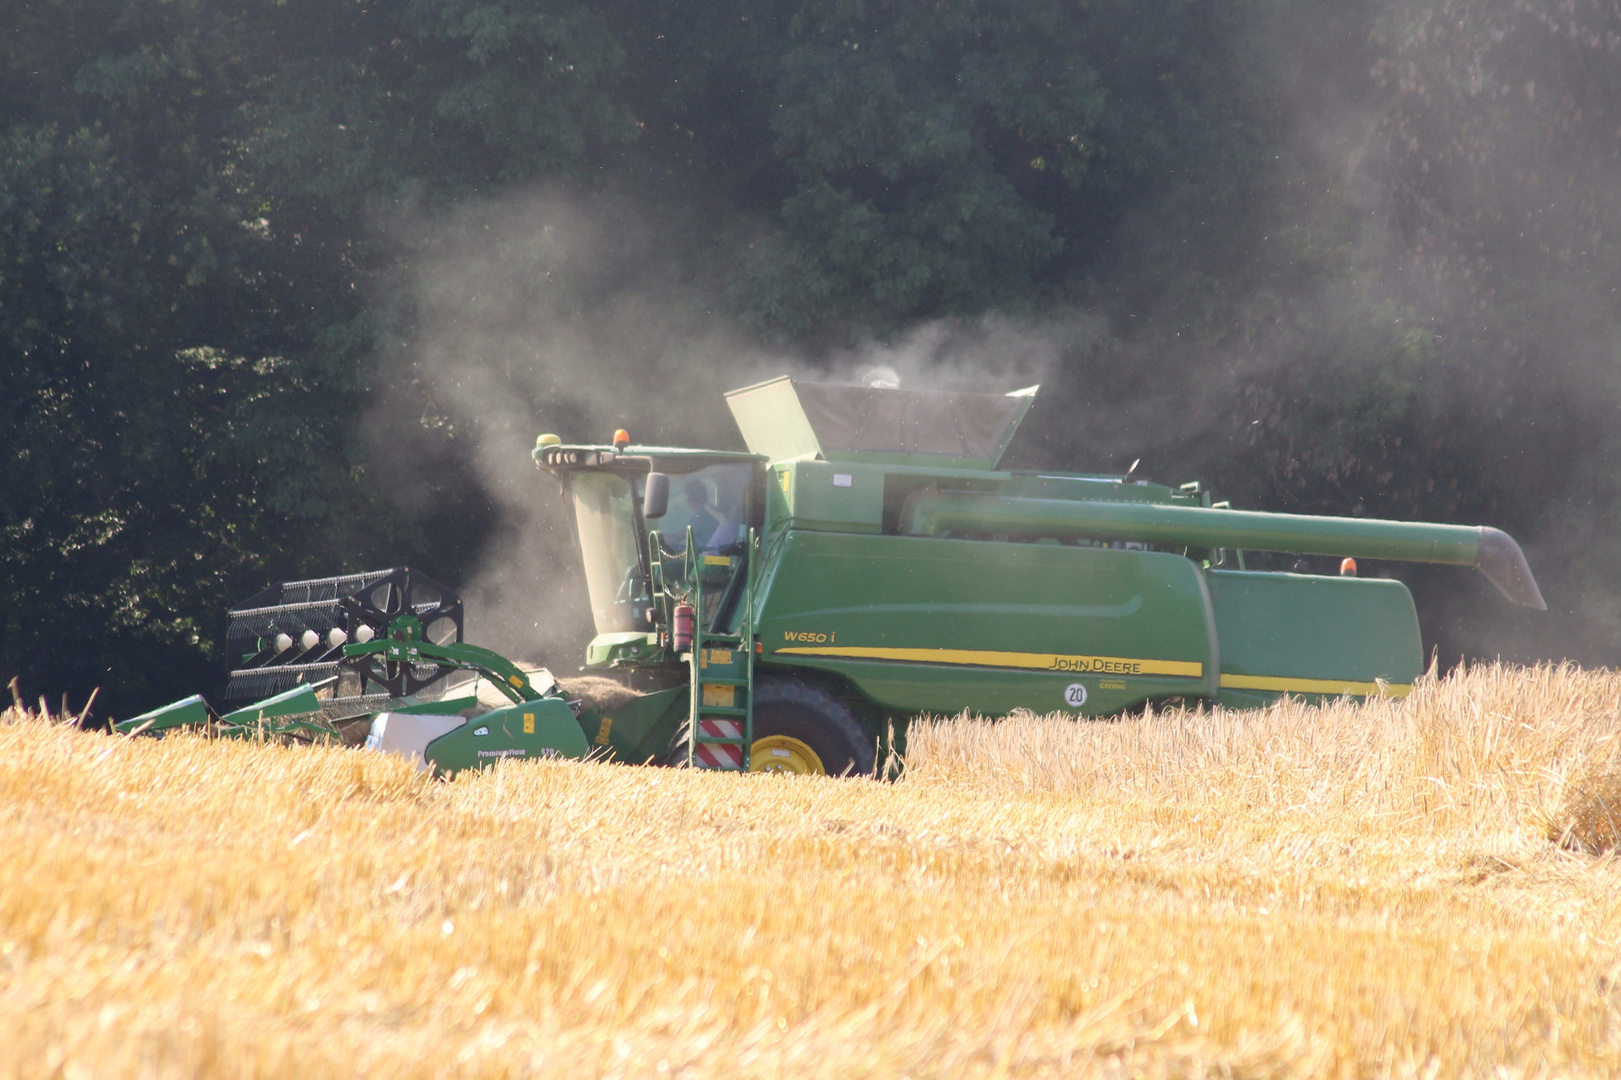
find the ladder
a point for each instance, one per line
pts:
(720, 717)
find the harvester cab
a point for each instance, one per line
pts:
(866, 561)
(636, 509)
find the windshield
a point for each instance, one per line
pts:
(605, 511)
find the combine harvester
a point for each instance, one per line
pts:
(788, 608)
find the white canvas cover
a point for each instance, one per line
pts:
(408, 734)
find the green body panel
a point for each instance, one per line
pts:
(279, 715)
(1297, 627)
(545, 728)
(187, 712)
(828, 497)
(299, 701)
(922, 625)
(621, 645)
(640, 729)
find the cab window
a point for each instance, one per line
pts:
(713, 502)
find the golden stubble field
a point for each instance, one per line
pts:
(1416, 888)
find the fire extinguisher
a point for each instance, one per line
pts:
(682, 627)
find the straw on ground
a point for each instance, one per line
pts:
(1425, 887)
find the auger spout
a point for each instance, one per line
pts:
(1489, 550)
(1504, 565)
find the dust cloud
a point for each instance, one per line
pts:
(1410, 312)
(576, 314)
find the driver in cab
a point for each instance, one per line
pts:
(705, 522)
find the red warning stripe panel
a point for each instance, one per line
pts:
(719, 757)
(720, 729)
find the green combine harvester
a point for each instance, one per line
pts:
(794, 607)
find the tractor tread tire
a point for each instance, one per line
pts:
(809, 712)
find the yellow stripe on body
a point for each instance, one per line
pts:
(1333, 687)
(1074, 665)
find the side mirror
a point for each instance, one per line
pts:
(656, 499)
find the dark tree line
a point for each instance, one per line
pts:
(1338, 257)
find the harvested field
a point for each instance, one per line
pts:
(1416, 888)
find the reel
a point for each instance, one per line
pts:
(294, 632)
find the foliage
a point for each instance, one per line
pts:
(1363, 251)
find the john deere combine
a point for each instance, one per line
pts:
(787, 608)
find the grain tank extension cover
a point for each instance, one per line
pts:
(784, 419)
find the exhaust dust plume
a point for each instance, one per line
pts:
(1408, 311)
(557, 312)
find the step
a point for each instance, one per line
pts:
(722, 696)
(719, 658)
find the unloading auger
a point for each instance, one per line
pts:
(793, 607)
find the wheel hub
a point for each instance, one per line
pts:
(780, 753)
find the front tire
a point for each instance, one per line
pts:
(797, 716)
